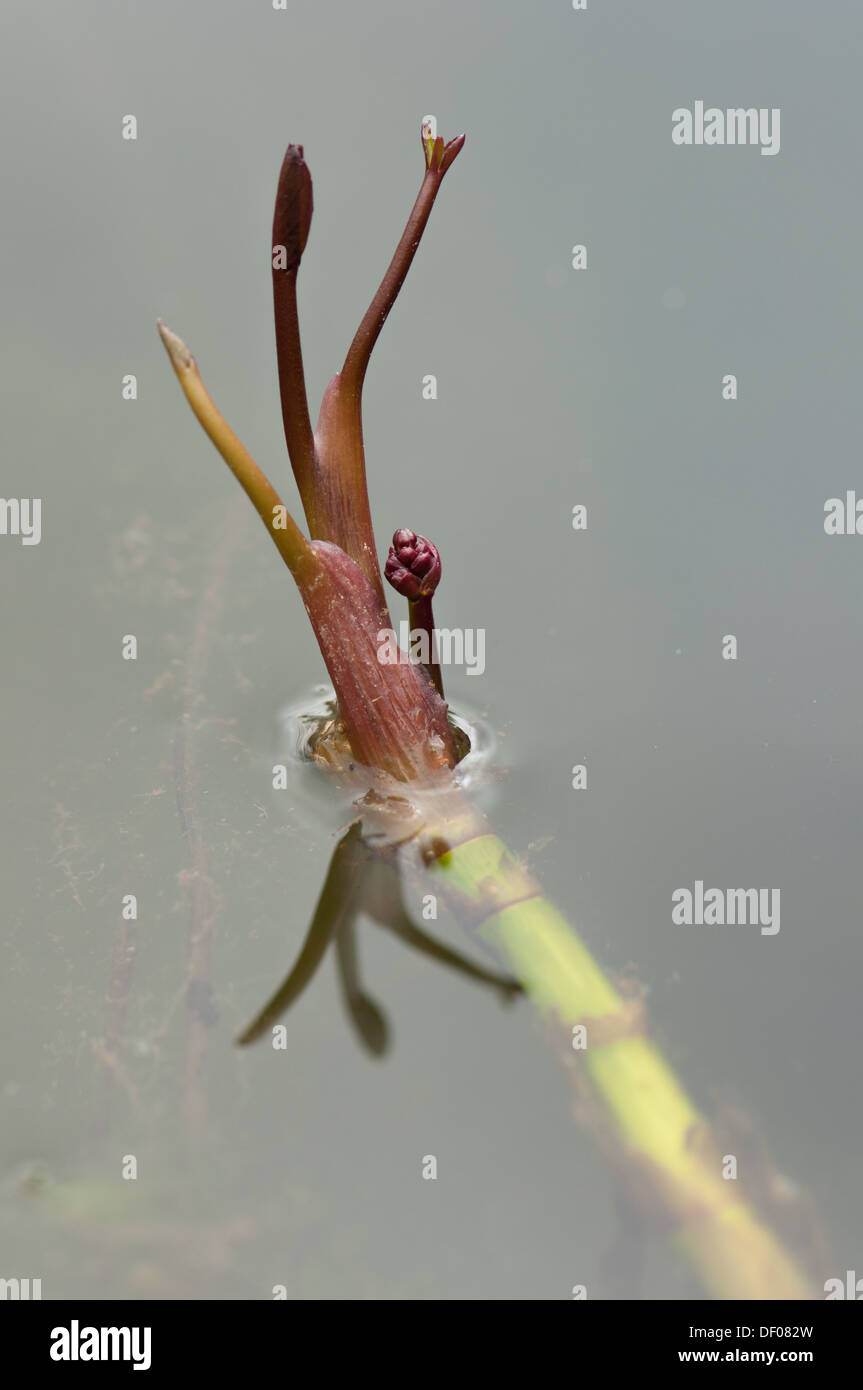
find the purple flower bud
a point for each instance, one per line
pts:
(424, 562)
(413, 566)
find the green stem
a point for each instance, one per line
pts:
(650, 1125)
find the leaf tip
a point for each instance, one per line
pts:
(181, 358)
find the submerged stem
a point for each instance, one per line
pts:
(628, 1092)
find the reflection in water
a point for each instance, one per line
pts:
(362, 878)
(231, 1178)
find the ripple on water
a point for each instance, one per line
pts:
(300, 720)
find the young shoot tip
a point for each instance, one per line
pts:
(439, 154)
(181, 358)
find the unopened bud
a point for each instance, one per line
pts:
(413, 565)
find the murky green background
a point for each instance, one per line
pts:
(555, 388)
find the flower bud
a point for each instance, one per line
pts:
(413, 565)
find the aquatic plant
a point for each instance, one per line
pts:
(392, 745)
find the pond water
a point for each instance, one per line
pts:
(303, 1167)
